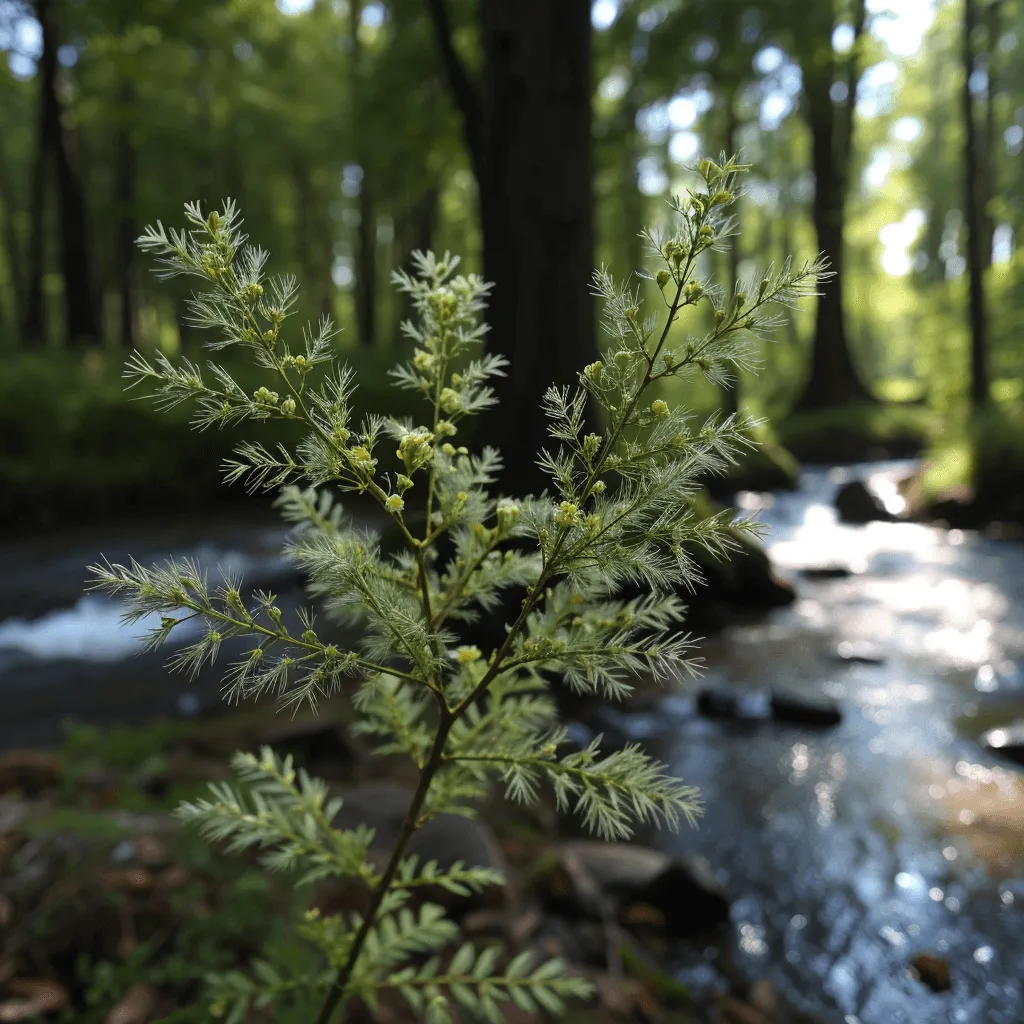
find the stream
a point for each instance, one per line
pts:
(846, 851)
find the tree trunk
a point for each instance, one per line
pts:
(529, 136)
(34, 320)
(365, 249)
(991, 145)
(12, 250)
(975, 223)
(125, 195)
(833, 378)
(81, 319)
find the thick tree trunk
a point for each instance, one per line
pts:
(529, 135)
(833, 378)
(974, 218)
(125, 190)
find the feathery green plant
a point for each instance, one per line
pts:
(619, 511)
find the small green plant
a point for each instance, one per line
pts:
(619, 511)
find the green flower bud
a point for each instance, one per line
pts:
(567, 514)
(593, 371)
(599, 487)
(448, 448)
(623, 357)
(507, 512)
(659, 408)
(694, 290)
(261, 396)
(394, 503)
(451, 401)
(706, 231)
(288, 406)
(467, 654)
(661, 278)
(402, 482)
(719, 317)
(213, 221)
(720, 198)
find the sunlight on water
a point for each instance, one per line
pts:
(90, 631)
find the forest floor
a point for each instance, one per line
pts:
(112, 912)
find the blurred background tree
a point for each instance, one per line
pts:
(533, 138)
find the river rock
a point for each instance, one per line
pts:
(800, 710)
(826, 572)
(932, 971)
(597, 879)
(446, 838)
(1006, 741)
(857, 503)
(717, 704)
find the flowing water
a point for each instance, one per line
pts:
(846, 851)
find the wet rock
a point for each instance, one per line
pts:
(858, 654)
(28, 772)
(718, 704)
(826, 572)
(857, 503)
(446, 839)
(1006, 741)
(598, 879)
(798, 710)
(932, 971)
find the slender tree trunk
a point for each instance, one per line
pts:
(529, 136)
(988, 152)
(34, 318)
(833, 378)
(975, 222)
(365, 249)
(125, 189)
(12, 249)
(81, 317)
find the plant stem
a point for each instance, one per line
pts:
(338, 995)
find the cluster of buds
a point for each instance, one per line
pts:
(261, 396)
(416, 449)
(568, 514)
(450, 400)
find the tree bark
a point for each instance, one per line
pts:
(417, 232)
(833, 378)
(974, 219)
(529, 137)
(12, 248)
(81, 317)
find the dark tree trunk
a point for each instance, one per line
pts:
(125, 187)
(833, 378)
(988, 151)
(12, 249)
(632, 198)
(314, 250)
(529, 136)
(33, 325)
(973, 215)
(365, 249)
(81, 319)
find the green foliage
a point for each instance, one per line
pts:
(621, 510)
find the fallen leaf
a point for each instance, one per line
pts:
(136, 1006)
(38, 995)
